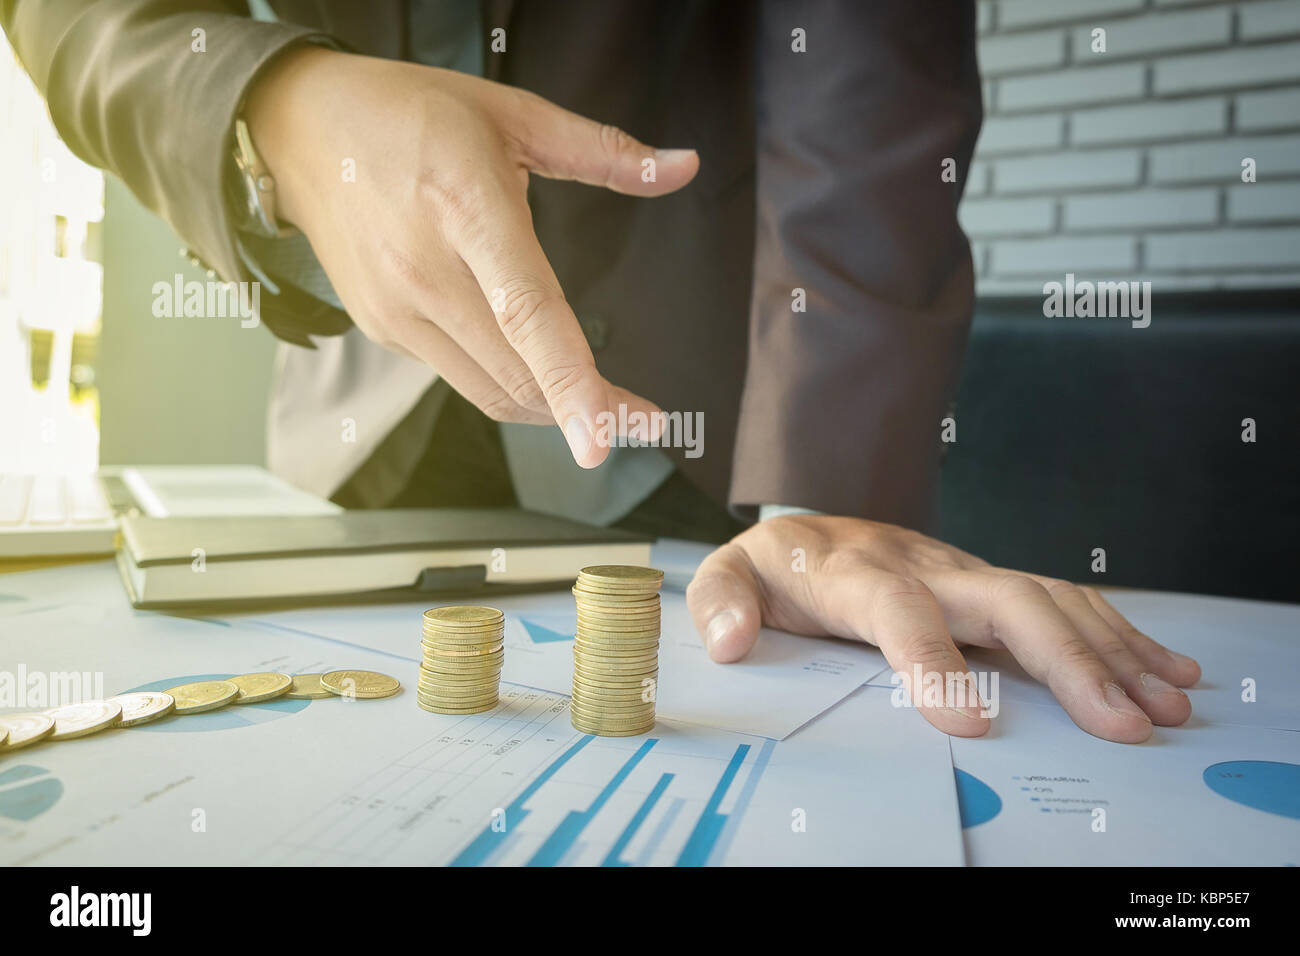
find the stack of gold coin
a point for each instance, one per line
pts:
(616, 650)
(463, 651)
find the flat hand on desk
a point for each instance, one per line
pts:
(917, 599)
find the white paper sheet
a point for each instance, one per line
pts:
(786, 681)
(1234, 641)
(362, 782)
(1202, 794)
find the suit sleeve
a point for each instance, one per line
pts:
(842, 402)
(149, 90)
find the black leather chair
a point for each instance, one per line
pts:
(1083, 433)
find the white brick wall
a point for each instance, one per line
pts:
(1127, 163)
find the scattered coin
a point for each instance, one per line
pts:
(307, 687)
(365, 685)
(83, 719)
(266, 685)
(202, 696)
(140, 707)
(24, 729)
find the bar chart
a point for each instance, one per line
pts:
(519, 786)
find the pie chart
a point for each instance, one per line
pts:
(1267, 785)
(226, 718)
(27, 791)
(976, 800)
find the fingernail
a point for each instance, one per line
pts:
(957, 693)
(578, 435)
(1118, 702)
(1155, 685)
(720, 626)
(1179, 659)
(673, 155)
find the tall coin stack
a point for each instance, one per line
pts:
(463, 650)
(616, 650)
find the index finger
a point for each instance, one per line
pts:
(512, 271)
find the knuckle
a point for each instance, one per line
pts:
(613, 140)
(523, 389)
(1061, 590)
(499, 407)
(560, 380)
(928, 648)
(523, 305)
(454, 199)
(898, 592)
(1071, 654)
(1014, 588)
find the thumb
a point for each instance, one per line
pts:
(723, 598)
(558, 144)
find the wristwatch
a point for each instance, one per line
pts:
(258, 188)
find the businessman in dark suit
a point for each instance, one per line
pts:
(793, 270)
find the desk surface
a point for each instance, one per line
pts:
(776, 760)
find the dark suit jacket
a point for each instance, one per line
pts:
(820, 171)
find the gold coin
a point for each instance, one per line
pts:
(438, 700)
(366, 685)
(612, 711)
(641, 647)
(264, 685)
(307, 687)
(461, 690)
(462, 650)
(610, 730)
(598, 600)
(140, 707)
(465, 665)
(623, 718)
(24, 729)
(457, 679)
(460, 641)
(607, 720)
(628, 691)
(615, 665)
(80, 720)
(611, 645)
(622, 574)
(442, 709)
(203, 696)
(462, 615)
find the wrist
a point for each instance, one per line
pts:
(276, 109)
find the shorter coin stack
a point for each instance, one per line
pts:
(463, 650)
(616, 650)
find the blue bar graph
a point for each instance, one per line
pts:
(660, 832)
(557, 844)
(614, 857)
(490, 840)
(709, 827)
(742, 801)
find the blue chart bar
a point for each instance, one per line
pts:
(700, 843)
(490, 840)
(614, 857)
(557, 844)
(661, 830)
